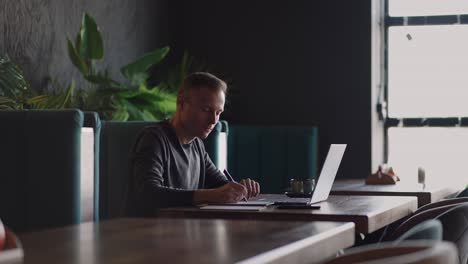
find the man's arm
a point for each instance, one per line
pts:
(214, 178)
(230, 192)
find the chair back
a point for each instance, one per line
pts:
(463, 193)
(414, 252)
(416, 219)
(455, 229)
(440, 203)
(426, 230)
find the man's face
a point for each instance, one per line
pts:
(200, 110)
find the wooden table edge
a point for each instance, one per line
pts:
(423, 197)
(301, 247)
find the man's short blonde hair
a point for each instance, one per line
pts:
(198, 80)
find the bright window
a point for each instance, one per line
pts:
(426, 89)
(427, 7)
(428, 71)
(441, 152)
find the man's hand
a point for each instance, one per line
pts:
(253, 188)
(230, 192)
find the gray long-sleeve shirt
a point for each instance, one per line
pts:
(165, 172)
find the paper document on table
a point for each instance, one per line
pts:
(232, 207)
(252, 203)
(246, 203)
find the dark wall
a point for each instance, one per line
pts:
(33, 33)
(296, 62)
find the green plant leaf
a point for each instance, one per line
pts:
(40, 99)
(4, 100)
(75, 58)
(78, 41)
(7, 103)
(134, 70)
(150, 116)
(91, 46)
(117, 92)
(60, 100)
(65, 98)
(128, 93)
(12, 81)
(120, 115)
(102, 80)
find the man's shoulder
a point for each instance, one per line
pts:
(161, 127)
(153, 135)
(159, 131)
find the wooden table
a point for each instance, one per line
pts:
(369, 213)
(155, 240)
(424, 194)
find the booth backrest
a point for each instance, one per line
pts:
(117, 139)
(272, 155)
(40, 168)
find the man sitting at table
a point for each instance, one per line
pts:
(169, 164)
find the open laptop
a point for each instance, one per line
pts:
(321, 191)
(324, 183)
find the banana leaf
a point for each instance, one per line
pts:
(101, 79)
(120, 115)
(76, 59)
(134, 70)
(90, 40)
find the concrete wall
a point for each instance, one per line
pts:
(33, 33)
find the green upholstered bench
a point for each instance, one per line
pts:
(40, 168)
(272, 155)
(117, 139)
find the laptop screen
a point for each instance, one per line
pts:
(328, 173)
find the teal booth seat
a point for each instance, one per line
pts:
(40, 168)
(272, 155)
(117, 139)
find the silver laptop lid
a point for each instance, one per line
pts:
(328, 173)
